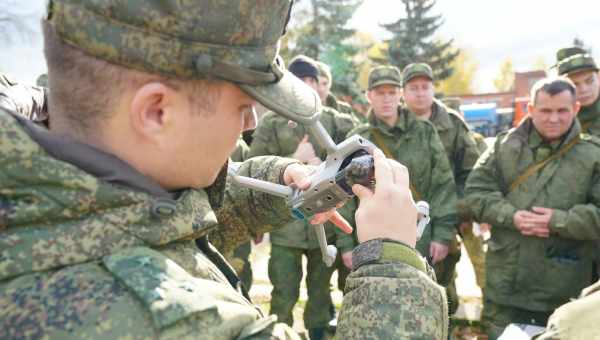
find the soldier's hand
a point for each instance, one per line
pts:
(347, 259)
(298, 175)
(528, 224)
(305, 152)
(437, 251)
(389, 211)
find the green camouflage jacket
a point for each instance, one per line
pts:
(533, 273)
(589, 117)
(273, 136)
(343, 107)
(415, 144)
(90, 248)
(460, 147)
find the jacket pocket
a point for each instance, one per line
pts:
(166, 290)
(501, 265)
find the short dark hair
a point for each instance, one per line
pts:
(85, 90)
(553, 86)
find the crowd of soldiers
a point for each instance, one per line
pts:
(90, 229)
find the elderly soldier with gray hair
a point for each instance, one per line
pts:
(104, 216)
(539, 186)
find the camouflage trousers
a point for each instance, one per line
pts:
(445, 273)
(474, 246)
(496, 317)
(285, 273)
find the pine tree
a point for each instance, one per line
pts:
(319, 30)
(413, 39)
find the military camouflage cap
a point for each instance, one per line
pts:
(574, 59)
(384, 75)
(416, 70)
(234, 40)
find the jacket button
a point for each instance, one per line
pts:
(163, 207)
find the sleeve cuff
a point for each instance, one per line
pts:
(385, 251)
(558, 221)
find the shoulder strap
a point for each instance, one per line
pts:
(378, 138)
(540, 165)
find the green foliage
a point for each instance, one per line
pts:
(413, 39)
(319, 30)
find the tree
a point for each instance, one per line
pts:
(413, 39)
(462, 79)
(506, 78)
(319, 30)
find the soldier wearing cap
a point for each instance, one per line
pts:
(328, 98)
(580, 67)
(461, 151)
(474, 244)
(105, 215)
(539, 187)
(416, 144)
(274, 136)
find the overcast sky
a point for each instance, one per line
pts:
(492, 30)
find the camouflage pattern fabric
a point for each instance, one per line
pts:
(577, 319)
(384, 75)
(410, 139)
(366, 314)
(538, 274)
(461, 149)
(239, 258)
(103, 258)
(416, 70)
(462, 154)
(285, 273)
(343, 107)
(495, 318)
(589, 117)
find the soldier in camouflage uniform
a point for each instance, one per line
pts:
(104, 234)
(474, 244)
(416, 144)
(460, 148)
(274, 136)
(580, 67)
(327, 98)
(29, 101)
(539, 186)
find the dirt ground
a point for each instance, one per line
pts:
(468, 312)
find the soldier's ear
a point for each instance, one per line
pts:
(576, 107)
(368, 95)
(151, 111)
